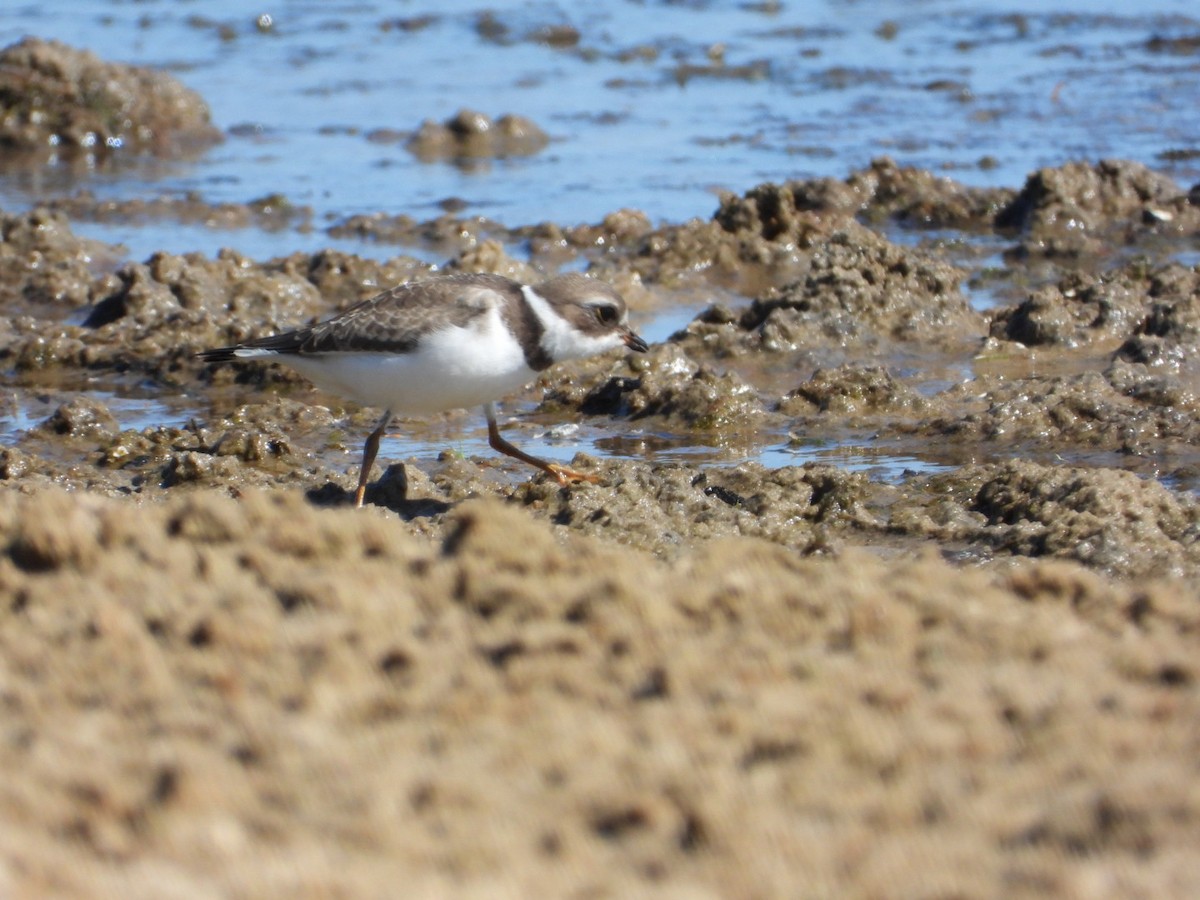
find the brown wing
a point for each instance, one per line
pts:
(394, 321)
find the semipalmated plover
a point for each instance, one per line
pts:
(450, 342)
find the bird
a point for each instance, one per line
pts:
(450, 342)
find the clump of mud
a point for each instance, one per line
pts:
(854, 392)
(447, 233)
(1128, 412)
(272, 212)
(664, 388)
(56, 101)
(1073, 213)
(1081, 308)
(883, 190)
(665, 509)
(44, 267)
(471, 136)
(1109, 520)
(1076, 209)
(858, 287)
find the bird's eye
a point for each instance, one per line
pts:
(606, 315)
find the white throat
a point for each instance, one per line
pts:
(562, 340)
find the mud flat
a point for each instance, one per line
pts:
(976, 678)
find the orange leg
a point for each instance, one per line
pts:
(564, 474)
(370, 449)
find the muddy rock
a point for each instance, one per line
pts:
(277, 440)
(272, 212)
(170, 307)
(765, 236)
(1156, 352)
(788, 213)
(884, 190)
(663, 508)
(625, 226)
(470, 244)
(558, 35)
(50, 461)
(859, 288)
(447, 234)
(274, 441)
(82, 417)
(1185, 45)
(1054, 414)
(1169, 385)
(620, 231)
(855, 392)
(680, 254)
(1048, 317)
(919, 199)
(344, 279)
(662, 386)
(1079, 311)
(193, 467)
(1112, 521)
(490, 256)
(1152, 312)
(1167, 337)
(718, 68)
(156, 313)
(1079, 208)
(144, 454)
(859, 283)
(15, 464)
(44, 264)
(231, 285)
(472, 136)
(58, 101)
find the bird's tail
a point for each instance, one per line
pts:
(219, 354)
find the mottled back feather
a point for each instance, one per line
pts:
(390, 322)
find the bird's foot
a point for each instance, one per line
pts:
(567, 475)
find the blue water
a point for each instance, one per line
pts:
(1022, 84)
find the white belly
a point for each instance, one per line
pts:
(454, 368)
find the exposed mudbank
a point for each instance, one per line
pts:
(851, 332)
(855, 334)
(208, 678)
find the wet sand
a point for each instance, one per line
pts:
(695, 679)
